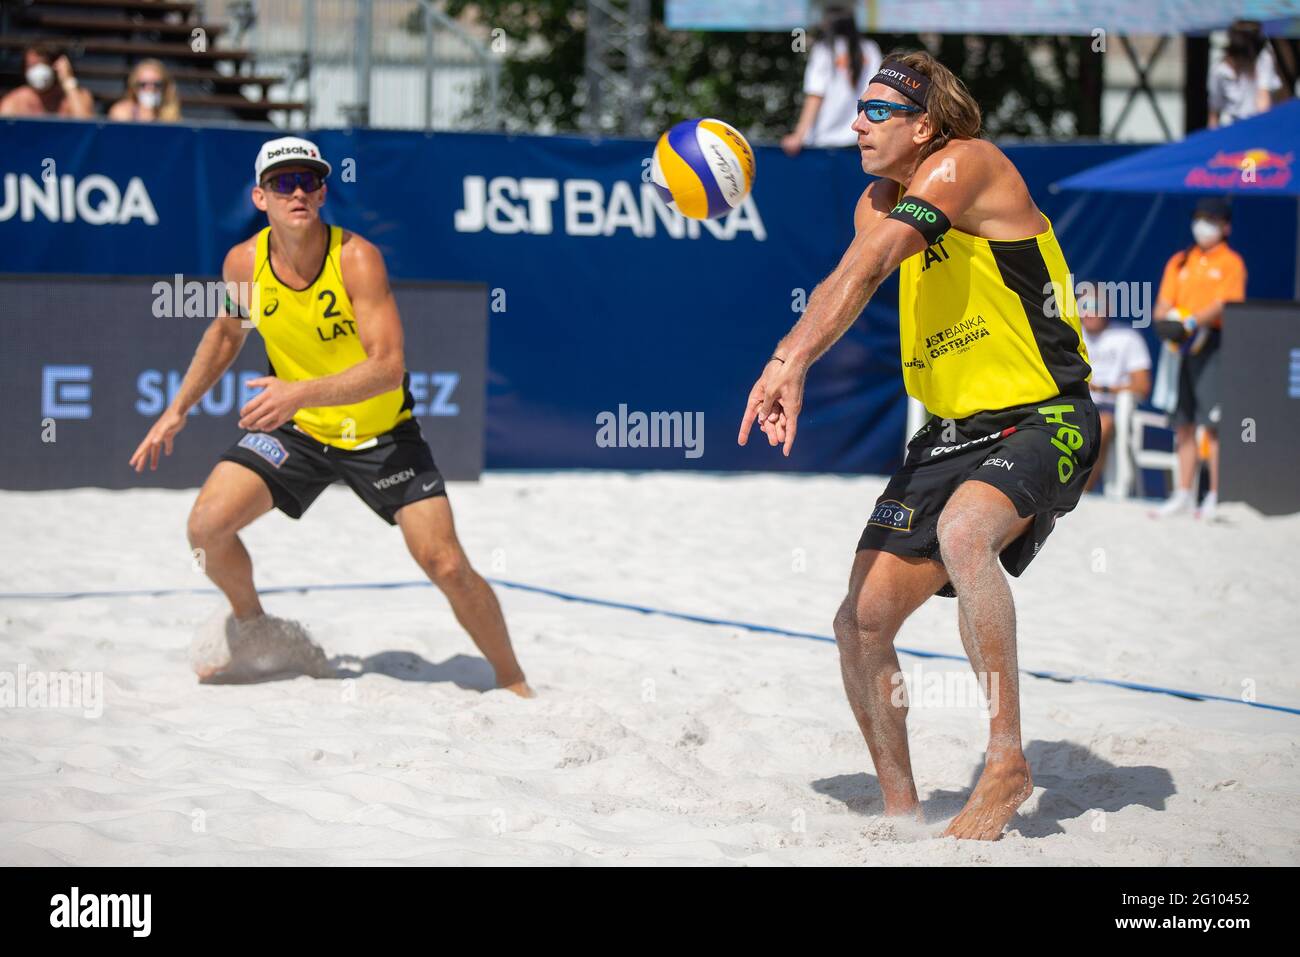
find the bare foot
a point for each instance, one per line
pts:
(1001, 789)
(260, 648)
(520, 688)
(207, 671)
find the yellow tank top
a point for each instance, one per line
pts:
(989, 324)
(311, 333)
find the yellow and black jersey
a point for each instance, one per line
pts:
(311, 333)
(989, 324)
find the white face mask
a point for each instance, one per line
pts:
(40, 76)
(150, 99)
(1206, 233)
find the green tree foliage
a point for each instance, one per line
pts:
(1026, 85)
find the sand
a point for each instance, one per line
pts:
(653, 740)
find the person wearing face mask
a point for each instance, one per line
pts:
(1196, 284)
(51, 88)
(150, 96)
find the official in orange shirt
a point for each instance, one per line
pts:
(1196, 284)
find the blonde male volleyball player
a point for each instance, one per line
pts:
(991, 345)
(335, 407)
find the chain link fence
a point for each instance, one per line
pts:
(400, 64)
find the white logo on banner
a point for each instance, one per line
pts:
(65, 392)
(507, 206)
(94, 199)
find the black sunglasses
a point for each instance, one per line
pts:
(880, 110)
(286, 183)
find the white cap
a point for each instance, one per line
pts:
(286, 150)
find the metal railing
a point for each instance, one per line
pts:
(401, 64)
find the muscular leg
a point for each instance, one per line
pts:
(967, 633)
(431, 539)
(883, 590)
(977, 523)
(231, 498)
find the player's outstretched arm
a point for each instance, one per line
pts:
(881, 244)
(218, 348)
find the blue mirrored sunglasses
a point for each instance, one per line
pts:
(880, 110)
(286, 183)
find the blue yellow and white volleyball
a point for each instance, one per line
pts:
(703, 168)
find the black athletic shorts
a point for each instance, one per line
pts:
(397, 470)
(1038, 455)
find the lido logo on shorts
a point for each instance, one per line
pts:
(1068, 439)
(893, 515)
(268, 447)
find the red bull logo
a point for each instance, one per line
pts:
(1246, 169)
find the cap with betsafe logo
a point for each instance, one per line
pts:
(289, 150)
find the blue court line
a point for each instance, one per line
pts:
(645, 610)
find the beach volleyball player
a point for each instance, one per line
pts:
(335, 407)
(991, 345)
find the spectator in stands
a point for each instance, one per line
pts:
(51, 88)
(1196, 284)
(1245, 81)
(840, 65)
(150, 96)
(1120, 363)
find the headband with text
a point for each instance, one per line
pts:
(905, 80)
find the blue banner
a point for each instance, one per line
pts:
(621, 336)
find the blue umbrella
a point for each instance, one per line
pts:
(1254, 157)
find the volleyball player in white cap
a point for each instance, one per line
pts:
(334, 406)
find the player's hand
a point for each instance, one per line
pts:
(63, 69)
(792, 144)
(158, 440)
(774, 403)
(275, 405)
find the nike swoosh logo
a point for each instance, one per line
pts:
(429, 486)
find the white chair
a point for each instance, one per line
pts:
(916, 416)
(1128, 452)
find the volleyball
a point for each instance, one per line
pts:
(703, 168)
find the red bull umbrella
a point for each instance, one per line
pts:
(1255, 157)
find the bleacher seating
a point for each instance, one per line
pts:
(105, 38)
